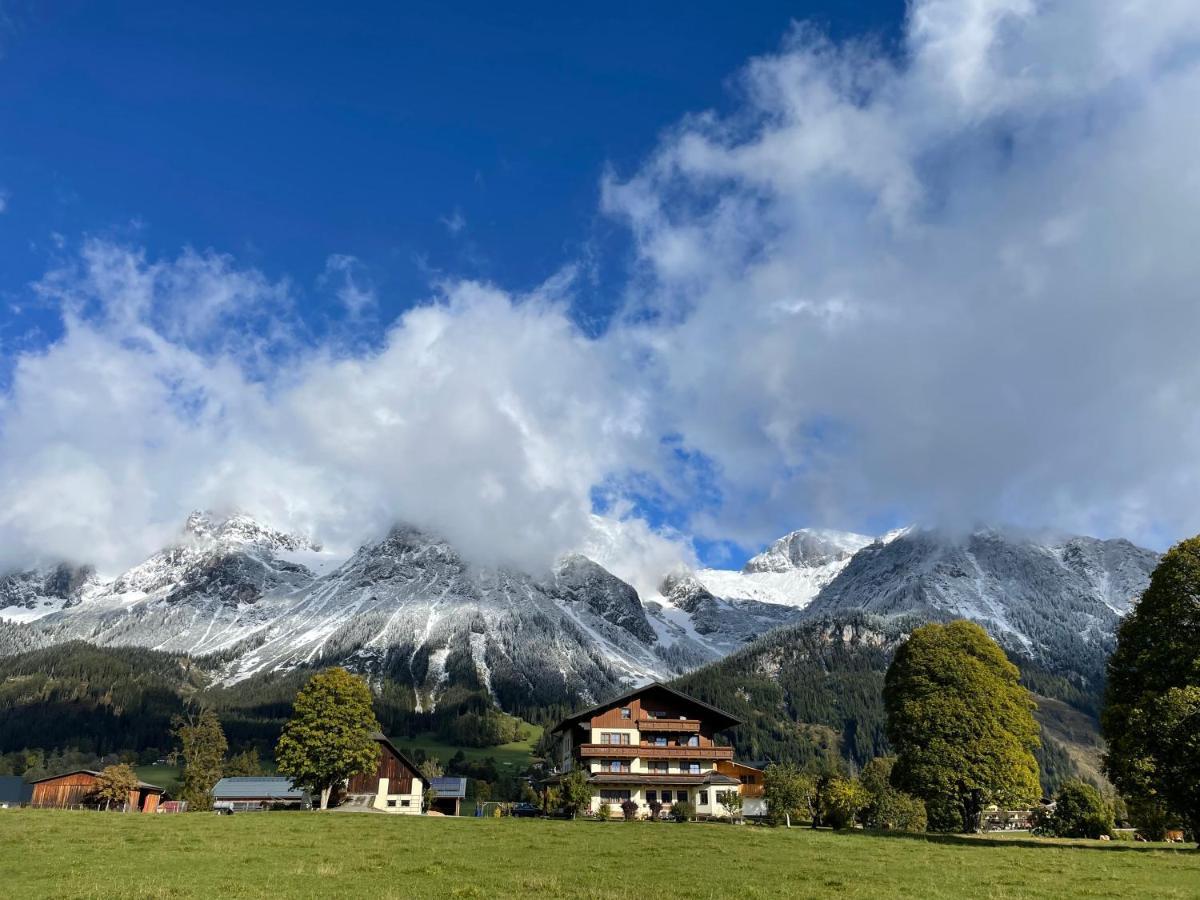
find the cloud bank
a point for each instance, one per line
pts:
(953, 283)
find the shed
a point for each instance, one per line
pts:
(14, 791)
(73, 789)
(258, 792)
(450, 793)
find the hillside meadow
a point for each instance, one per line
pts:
(47, 853)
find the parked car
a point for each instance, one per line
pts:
(525, 811)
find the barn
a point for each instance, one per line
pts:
(394, 786)
(75, 789)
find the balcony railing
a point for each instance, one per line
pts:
(648, 751)
(687, 726)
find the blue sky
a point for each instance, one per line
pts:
(425, 139)
(716, 272)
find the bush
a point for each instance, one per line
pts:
(604, 813)
(683, 812)
(655, 811)
(1080, 812)
(844, 799)
(629, 809)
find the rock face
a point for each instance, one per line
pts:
(30, 594)
(1054, 599)
(791, 572)
(406, 605)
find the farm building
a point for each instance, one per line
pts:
(750, 779)
(450, 794)
(74, 789)
(258, 792)
(395, 786)
(14, 791)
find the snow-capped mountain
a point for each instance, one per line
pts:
(791, 571)
(407, 605)
(254, 599)
(1054, 598)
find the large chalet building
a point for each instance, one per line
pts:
(655, 745)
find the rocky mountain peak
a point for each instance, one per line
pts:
(807, 548)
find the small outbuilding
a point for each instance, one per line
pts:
(256, 792)
(76, 789)
(14, 792)
(394, 786)
(450, 793)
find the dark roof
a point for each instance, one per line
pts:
(719, 714)
(257, 787)
(382, 738)
(145, 786)
(449, 788)
(13, 789)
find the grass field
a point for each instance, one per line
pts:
(87, 854)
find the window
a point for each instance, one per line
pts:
(660, 768)
(391, 803)
(651, 796)
(614, 796)
(617, 765)
(702, 798)
(694, 741)
(666, 798)
(693, 768)
(614, 737)
(406, 803)
(660, 740)
(625, 712)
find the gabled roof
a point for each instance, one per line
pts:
(145, 786)
(382, 738)
(722, 719)
(449, 787)
(257, 787)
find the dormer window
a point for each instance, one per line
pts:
(625, 714)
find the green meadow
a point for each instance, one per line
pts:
(47, 853)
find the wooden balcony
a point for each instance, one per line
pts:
(674, 726)
(646, 751)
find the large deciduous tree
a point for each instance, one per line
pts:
(961, 724)
(789, 793)
(330, 736)
(203, 749)
(1151, 717)
(576, 792)
(114, 786)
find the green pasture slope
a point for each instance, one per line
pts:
(511, 758)
(66, 854)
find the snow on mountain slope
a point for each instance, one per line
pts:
(791, 571)
(1055, 598)
(406, 605)
(26, 596)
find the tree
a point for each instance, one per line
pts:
(203, 747)
(576, 792)
(114, 785)
(961, 723)
(1080, 812)
(788, 793)
(428, 796)
(330, 736)
(844, 799)
(889, 809)
(731, 801)
(683, 811)
(1151, 717)
(551, 800)
(244, 765)
(430, 769)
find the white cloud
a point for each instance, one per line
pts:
(955, 283)
(455, 223)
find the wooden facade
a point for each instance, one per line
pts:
(76, 789)
(654, 747)
(394, 785)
